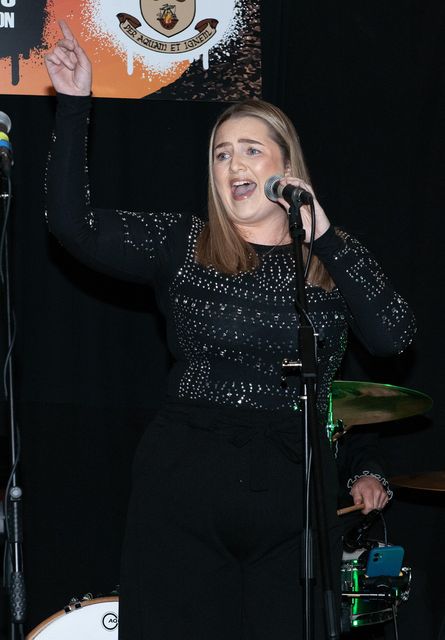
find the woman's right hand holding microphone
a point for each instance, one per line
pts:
(68, 65)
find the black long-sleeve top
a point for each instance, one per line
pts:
(228, 334)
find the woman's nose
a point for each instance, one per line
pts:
(237, 163)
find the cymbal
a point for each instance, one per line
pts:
(428, 481)
(369, 402)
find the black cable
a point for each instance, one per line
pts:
(299, 307)
(308, 569)
(8, 357)
(311, 241)
(6, 556)
(5, 223)
(385, 530)
(394, 617)
(301, 310)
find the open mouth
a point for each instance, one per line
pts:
(242, 189)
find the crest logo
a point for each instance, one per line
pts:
(168, 19)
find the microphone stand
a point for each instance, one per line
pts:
(13, 569)
(306, 367)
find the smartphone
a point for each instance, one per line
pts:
(384, 561)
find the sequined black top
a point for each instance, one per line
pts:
(228, 334)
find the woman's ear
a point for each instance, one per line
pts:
(287, 171)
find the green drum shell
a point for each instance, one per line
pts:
(367, 611)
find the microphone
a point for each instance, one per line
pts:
(354, 538)
(6, 160)
(292, 194)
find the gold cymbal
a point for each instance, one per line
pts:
(428, 481)
(370, 402)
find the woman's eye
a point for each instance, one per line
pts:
(222, 155)
(252, 151)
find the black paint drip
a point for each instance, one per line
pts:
(29, 19)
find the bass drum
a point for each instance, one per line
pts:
(95, 619)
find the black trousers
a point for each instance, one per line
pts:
(213, 542)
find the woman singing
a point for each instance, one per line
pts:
(212, 548)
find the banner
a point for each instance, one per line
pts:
(184, 50)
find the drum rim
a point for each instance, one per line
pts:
(82, 603)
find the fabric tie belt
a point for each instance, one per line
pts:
(261, 438)
(262, 430)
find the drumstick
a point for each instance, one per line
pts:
(355, 507)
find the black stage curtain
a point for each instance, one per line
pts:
(364, 85)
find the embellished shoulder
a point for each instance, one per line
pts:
(378, 314)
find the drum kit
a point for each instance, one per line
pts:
(89, 618)
(367, 598)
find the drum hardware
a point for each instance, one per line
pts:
(334, 428)
(374, 582)
(370, 600)
(382, 587)
(354, 538)
(384, 595)
(76, 603)
(92, 618)
(290, 367)
(365, 600)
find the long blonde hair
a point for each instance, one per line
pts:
(220, 244)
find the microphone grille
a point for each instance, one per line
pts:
(269, 187)
(5, 122)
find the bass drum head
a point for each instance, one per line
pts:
(87, 620)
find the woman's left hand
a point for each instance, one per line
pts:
(369, 491)
(322, 223)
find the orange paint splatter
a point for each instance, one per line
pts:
(110, 76)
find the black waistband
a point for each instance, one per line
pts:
(241, 426)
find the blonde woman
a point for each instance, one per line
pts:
(212, 549)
